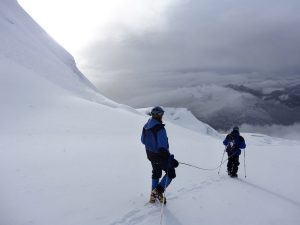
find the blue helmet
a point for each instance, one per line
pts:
(157, 111)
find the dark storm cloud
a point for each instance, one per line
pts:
(199, 48)
(209, 35)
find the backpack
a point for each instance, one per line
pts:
(153, 131)
(150, 136)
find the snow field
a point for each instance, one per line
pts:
(70, 156)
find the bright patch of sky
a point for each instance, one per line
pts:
(74, 24)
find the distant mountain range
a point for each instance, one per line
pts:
(266, 108)
(289, 96)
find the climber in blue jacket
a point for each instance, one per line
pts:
(155, 139)
(234, 143)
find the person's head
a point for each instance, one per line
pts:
(157, 112)
(235, 130)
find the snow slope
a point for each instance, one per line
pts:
(70, 156)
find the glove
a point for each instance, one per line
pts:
(172, 162)
(164, 153)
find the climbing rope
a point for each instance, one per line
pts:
(200, 168)
(163, 202)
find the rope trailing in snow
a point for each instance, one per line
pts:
(200, 168)
(245, 163)
(163, 203)
(222, 159)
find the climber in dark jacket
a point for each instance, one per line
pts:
(155, 139)
(234, 143)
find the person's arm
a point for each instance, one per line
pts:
(242, 143)
(226, 141)
(143, 137)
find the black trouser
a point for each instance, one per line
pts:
(159, 164)
(157, 169)
(233, 164)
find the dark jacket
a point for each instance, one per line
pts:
(234, 143)
(155, 139)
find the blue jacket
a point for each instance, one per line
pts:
(154, 137)
(234, 143)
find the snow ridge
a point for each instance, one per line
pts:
(28, 45)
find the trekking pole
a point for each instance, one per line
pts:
(245, 163)
(222, 160)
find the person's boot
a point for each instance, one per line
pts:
(153, 196)
(160, 190)
(156, 194)
(229, 172)
(235, 169)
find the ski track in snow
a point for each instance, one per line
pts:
(152, 211)
(269, 192)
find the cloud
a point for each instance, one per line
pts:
(289, 132)
(196, 50)
(209, 35)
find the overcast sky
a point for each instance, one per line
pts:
(150, 52)
(159, 35)
(257, 35)
(198, 42)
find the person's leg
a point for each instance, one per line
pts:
(166, 180)
(229, 165)
(154, 183)
(156, 174)
(235, 165)
(164, 183)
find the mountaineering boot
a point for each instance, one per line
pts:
(153, 196)
(162, 199)
(160, 190)
(157, 193)
(233, 175)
